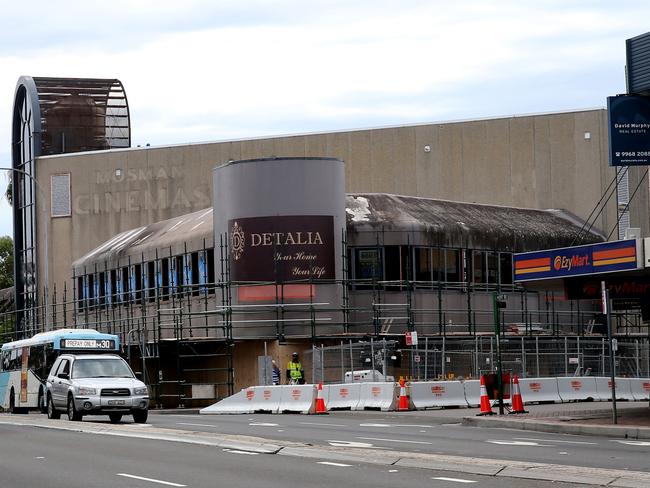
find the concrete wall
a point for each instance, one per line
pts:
(541, 161)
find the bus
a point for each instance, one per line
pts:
(25, 364)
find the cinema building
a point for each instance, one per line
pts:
(204, 257)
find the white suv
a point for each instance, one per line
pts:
(97, 384)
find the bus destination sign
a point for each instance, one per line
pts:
(87, 344)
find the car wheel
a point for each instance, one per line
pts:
(115, 417)
(52, 412)
(73, 415)
(140, 416)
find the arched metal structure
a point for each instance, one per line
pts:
(55, 116)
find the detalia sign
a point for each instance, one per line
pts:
(576, 261)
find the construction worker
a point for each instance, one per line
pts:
(295, 373)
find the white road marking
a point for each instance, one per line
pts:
(195, 425)
(322, 423)
(392, 440)
(634, 443)
(235, 451)
(564, 453)
(161, 482)
(393, 471)
(39, 457)
(280, 430)
(399, 425)
(455, 480)
(351, 444)
(555, 440)
(264, 424)
(328, 463)
(423, 431)
(519, 443)
(376, 425)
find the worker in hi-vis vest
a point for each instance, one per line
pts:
(295, 374)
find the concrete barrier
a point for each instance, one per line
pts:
(249, 400)
(577, 388)
(640, 388)
(298, 399)
(431, 394)
(472, 392)
(378, 396)
(604, 388)
(342, 397)
(538, 390)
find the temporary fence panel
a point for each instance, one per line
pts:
(623, 389)
(342, 397)
(577, 388)
(431, 394)
(539, 390)
(378, 396)
(298, 399)
(640, 388)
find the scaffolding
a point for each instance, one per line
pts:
(179, 323)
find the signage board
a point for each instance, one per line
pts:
(629, 130)
(411, 338)
(282, 248)
(576, 261)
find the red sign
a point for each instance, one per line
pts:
(576, 385)
(375, 391)
(250, 393)
(267, 394)
(438, 390)
(296, 394)
(646, 386)
(344, 392)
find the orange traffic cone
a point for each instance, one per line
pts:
(320, 402)
(486, 409)
(403, 399)
(517, 401)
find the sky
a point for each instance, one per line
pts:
(205, 70)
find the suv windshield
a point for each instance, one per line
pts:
(101, 368)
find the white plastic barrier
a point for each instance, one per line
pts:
(345, 396)
(472, 392)
(298, 399)
(430, 394)
(378, 396)
(604, 388)
(539, 390)
(249, 400)
(577, 388)
(640, 388)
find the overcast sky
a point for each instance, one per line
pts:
(201, 70)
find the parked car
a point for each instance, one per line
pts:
(95, 384)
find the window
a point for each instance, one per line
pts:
(113, 286)
(423, 264)
(438, 264)
(478, 267)
(492, 267)
(80, 291)
(179, 272)
(165, 278)
(452, 266)
(138, 282)
(125, 285)
(367, 264)
(151, 280)
(397, 265)
(90, 280)
(211, 270)
(505, 268)
(194, 272)
(101, 297)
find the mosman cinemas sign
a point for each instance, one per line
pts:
(288, 248)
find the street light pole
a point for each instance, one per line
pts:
(47, 239)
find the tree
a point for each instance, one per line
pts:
(6, 262)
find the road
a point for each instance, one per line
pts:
(31, 456)
(423, 434)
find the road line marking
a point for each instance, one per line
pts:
(264, 424)
(363, 445)
(455, 480)
(39, 457)
(329, 463)
(322, 423)
(236, 451)
(555, 440)
(518, 443)
(392, 440)
(393, 471)
(196, 425)
(633, 443)
(161, 482)
(376, 425)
